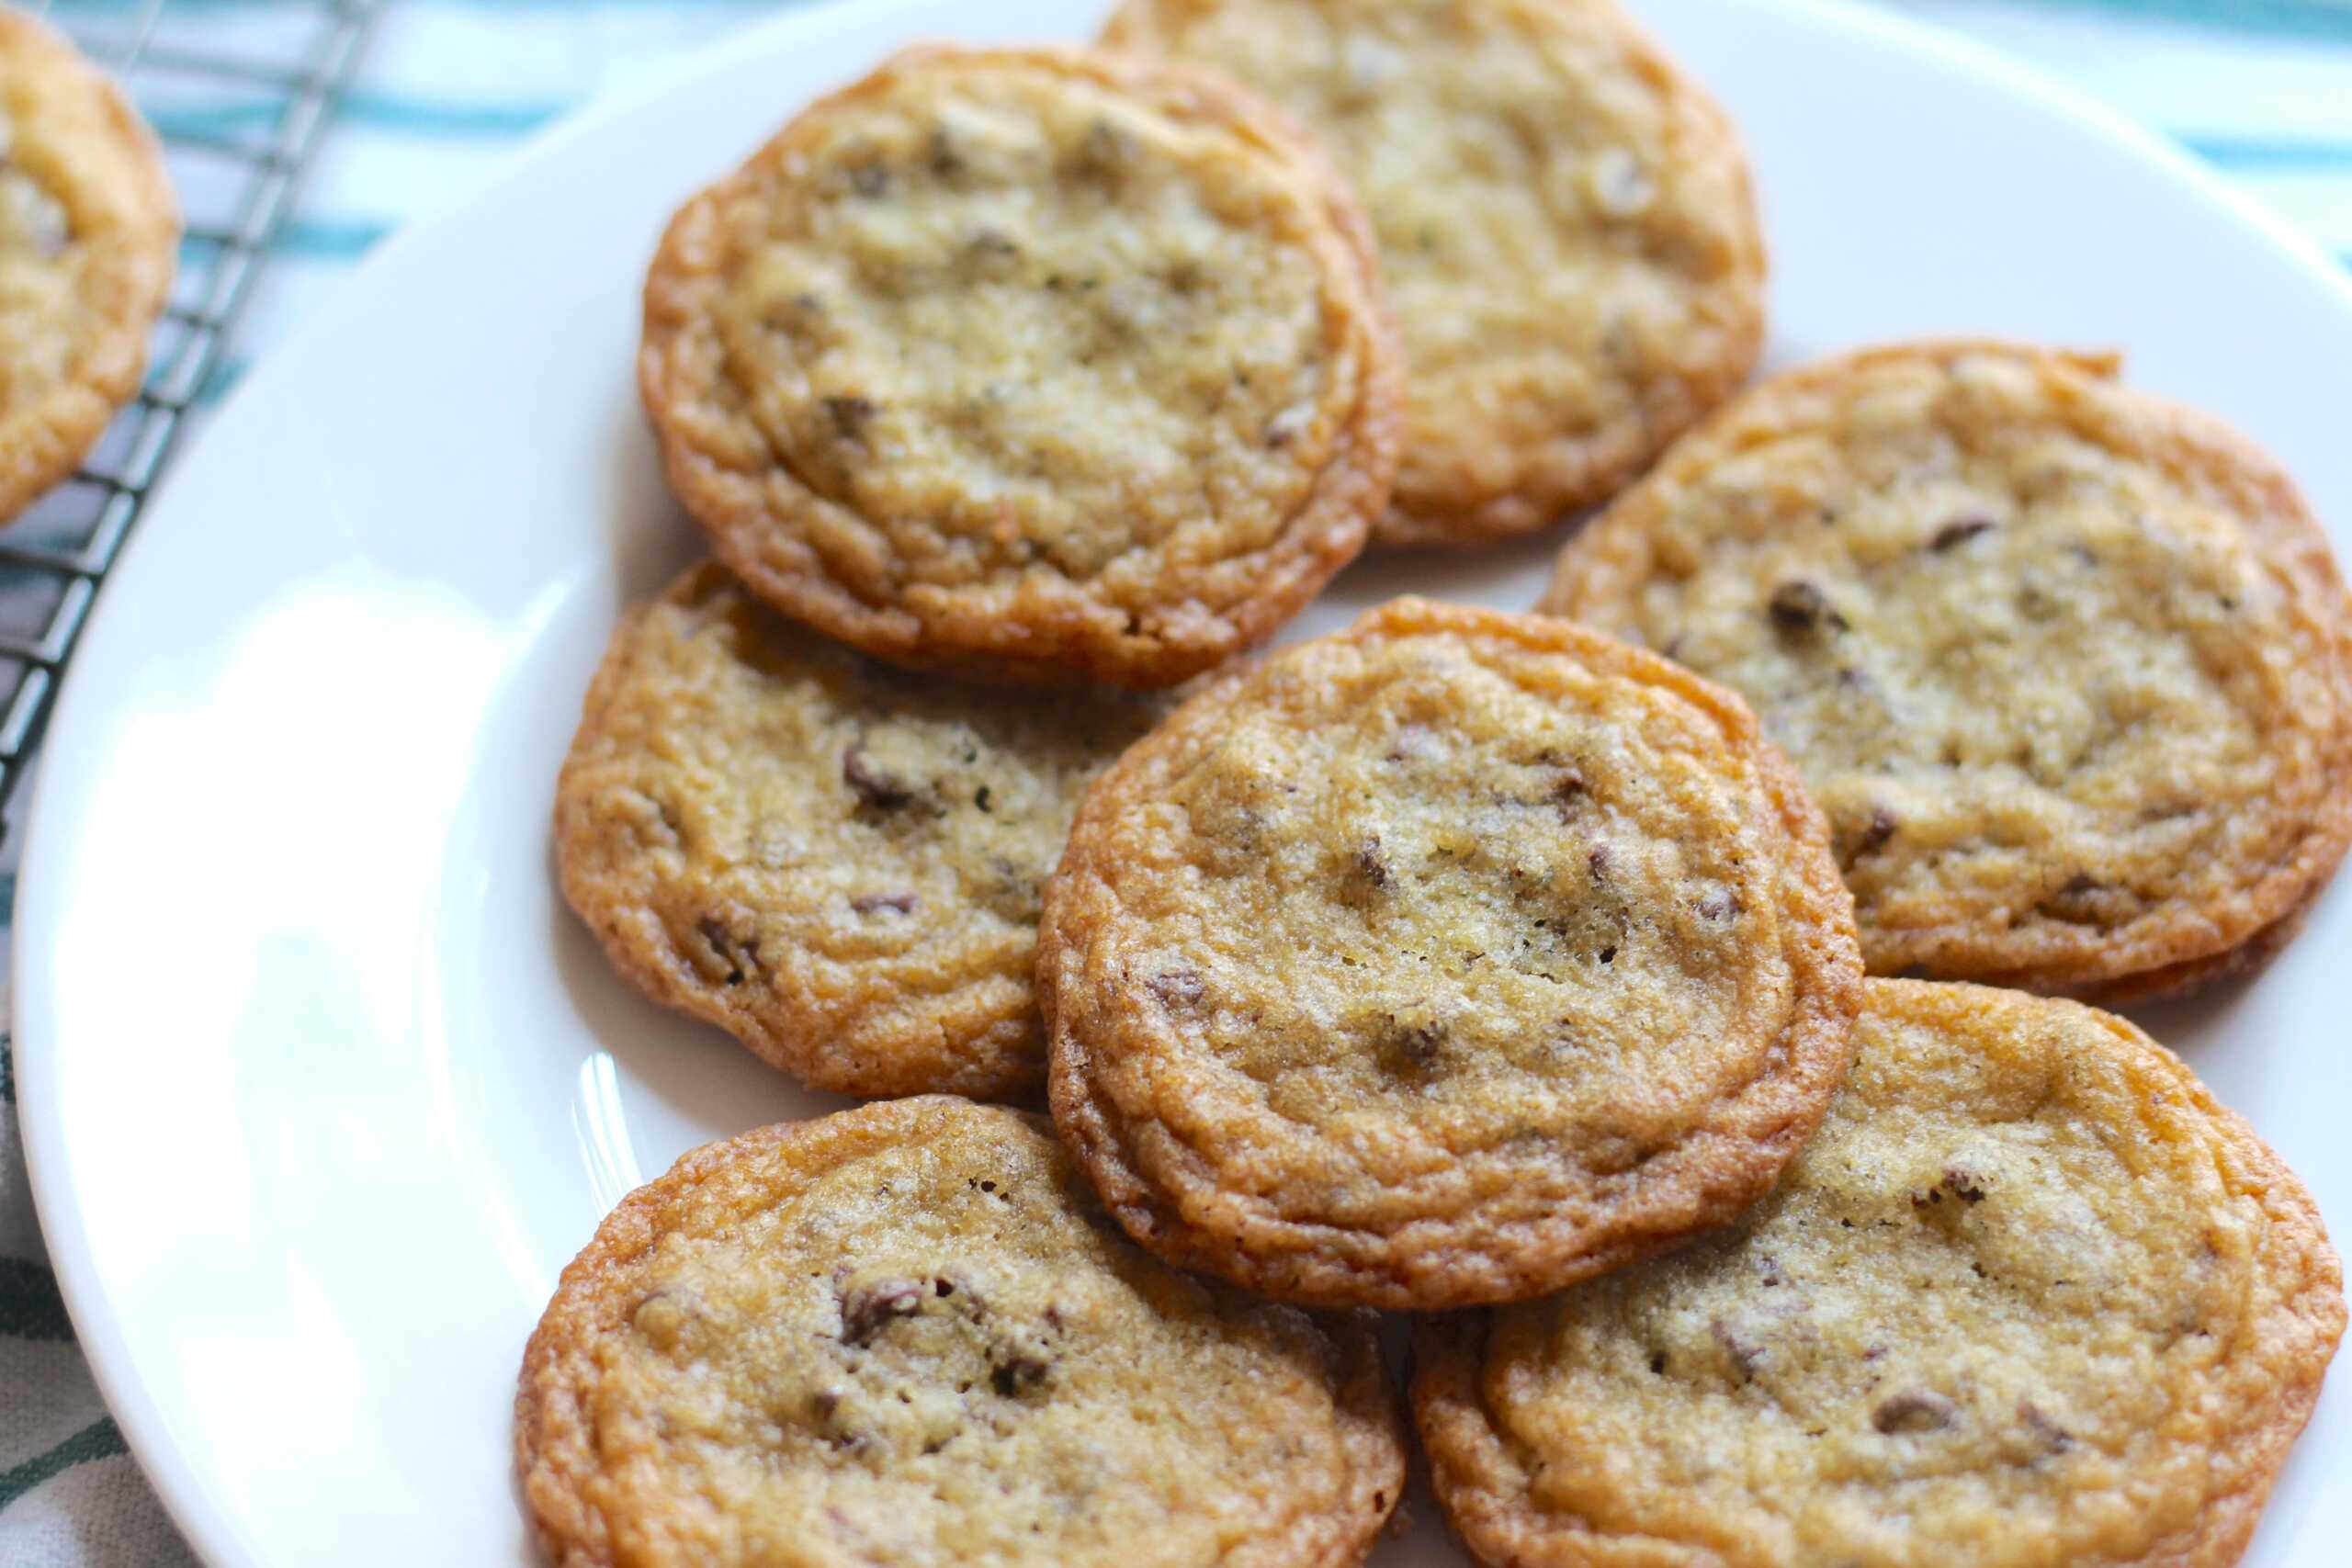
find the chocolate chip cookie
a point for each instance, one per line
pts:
(87, 229)
(1037, 365)
(1448, 959)
(2029, 1298)
(1565, 226)
(838, 862)
(906, 1335)
(2068, 666)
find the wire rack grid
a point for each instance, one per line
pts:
(240, 115)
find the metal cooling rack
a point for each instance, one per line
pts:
(239, 118)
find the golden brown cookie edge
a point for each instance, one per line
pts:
(42, 444)
(1000, 1057)
(1821, 1047)
(554, 1438)
(1610, 554)
(1327, 532)
(1566, 473)
(1481, 1487)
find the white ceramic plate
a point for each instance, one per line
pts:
(321, 1084)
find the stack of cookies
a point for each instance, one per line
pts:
(1504, 970)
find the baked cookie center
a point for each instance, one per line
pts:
(1515, 178)
(1446, 959)
(2011, 1299)
(1563, 223)
(1025, 323)
(840, 863)
(929, 1349)
(2062, 663)
(1992, 662)
(1436, 937)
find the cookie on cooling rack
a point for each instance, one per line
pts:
(907, 1334)
(2028, 1297)
(839, 862)
(1036, 366)
(1448, 959)
(87, 229)
(2068, 666)
(1565, 226)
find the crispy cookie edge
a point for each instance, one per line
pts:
(1611, 556)
(118, 190)
(945, 1044)
(555, 1438)
(1482, 1485)
(1716, 1170)
(1091, 643)
(1571, 471)
(1449, 508)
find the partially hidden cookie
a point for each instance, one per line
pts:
(1565, 224)
(1037, 365)
(2069, 667)
(838, 862)
(87, 229)
(905, 1334)
(1448, 959)
(2029, 1298)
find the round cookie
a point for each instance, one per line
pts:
(837, 861)
(2029, 1299)
(1036, 366)
(2068, 667)
(87, 227)
(1448, 959)
(906, 1335)
(1565, 232)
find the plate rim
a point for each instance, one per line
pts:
(203, 1519)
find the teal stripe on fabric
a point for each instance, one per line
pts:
(216, 119)
(100, 1440)
(390, 111)
(377, 111)
(2247, 153)
(2327, 19)
(223, 380)
(329, 238)
(8, 1068)
(311, 239)
(30, 1307)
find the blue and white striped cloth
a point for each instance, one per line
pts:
(2262, 88)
